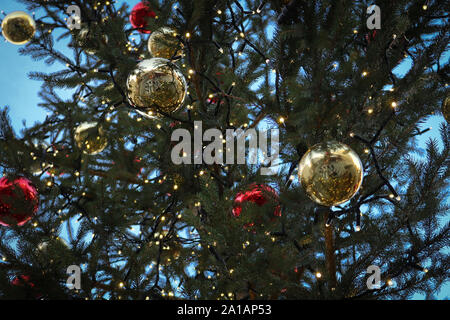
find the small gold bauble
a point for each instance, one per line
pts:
(331, 173)
(163, 43)
(156, 85)
(446, 109)
(90, 138)
(18, 27)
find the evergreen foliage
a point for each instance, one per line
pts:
(142, 227)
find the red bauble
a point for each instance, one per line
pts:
(259, 194)
(140, 15)
(18, 201)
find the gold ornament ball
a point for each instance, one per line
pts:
(163, 43)
(18, 27)
(156, 85)
(331, 173)
(446, 109)
(90, 138)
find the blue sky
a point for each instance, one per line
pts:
(21, 94)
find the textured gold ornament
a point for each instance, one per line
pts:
(446, 109)
(163, 43)
(90, 138)
(156, 85)
(331, 173)
(18, 27)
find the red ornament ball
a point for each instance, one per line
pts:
(18, 201)
(140, 15)
(259, 194)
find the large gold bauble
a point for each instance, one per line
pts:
(331, 173)
(156, 85)
(446, 109)
(18, 27)
(163, 43)
(90, 138)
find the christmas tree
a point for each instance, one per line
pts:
(138, 185)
